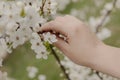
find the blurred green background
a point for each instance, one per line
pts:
(23, 56)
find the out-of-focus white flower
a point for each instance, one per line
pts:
(104, 33)
(94, 22)
(42, 55)
(32, 71)
(41, 77)
(118, 4)
(109, 6)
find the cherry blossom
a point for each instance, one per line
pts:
(32, 71)
(20, 21)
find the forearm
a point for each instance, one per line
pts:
(107, 60)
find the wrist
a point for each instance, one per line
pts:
(107, 60)
(99, 55)
(94, 55)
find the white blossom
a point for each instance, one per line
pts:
(108, 6)
(32, 71)
(104, 33)
(41, 77)
(38, 47)
(118, 4)
(49, 37)
(17, 39)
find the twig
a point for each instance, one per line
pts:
(61, 66)
(42, 7)
(58, 60)
(105, 17)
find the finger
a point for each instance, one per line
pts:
(54, 26)
(61, 44)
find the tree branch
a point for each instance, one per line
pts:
(42, 7)
(105, 17)
(59, 62)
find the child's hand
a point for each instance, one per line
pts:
(81, 42)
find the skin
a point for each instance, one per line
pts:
(83, 47)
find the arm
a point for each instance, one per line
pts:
(83, 47)
(107, 60)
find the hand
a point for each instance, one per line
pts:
(83, 47)
(81, 42)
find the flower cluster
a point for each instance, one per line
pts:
(20, 21)
(32, 71)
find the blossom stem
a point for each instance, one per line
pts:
(42, 7)
(59, 62)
